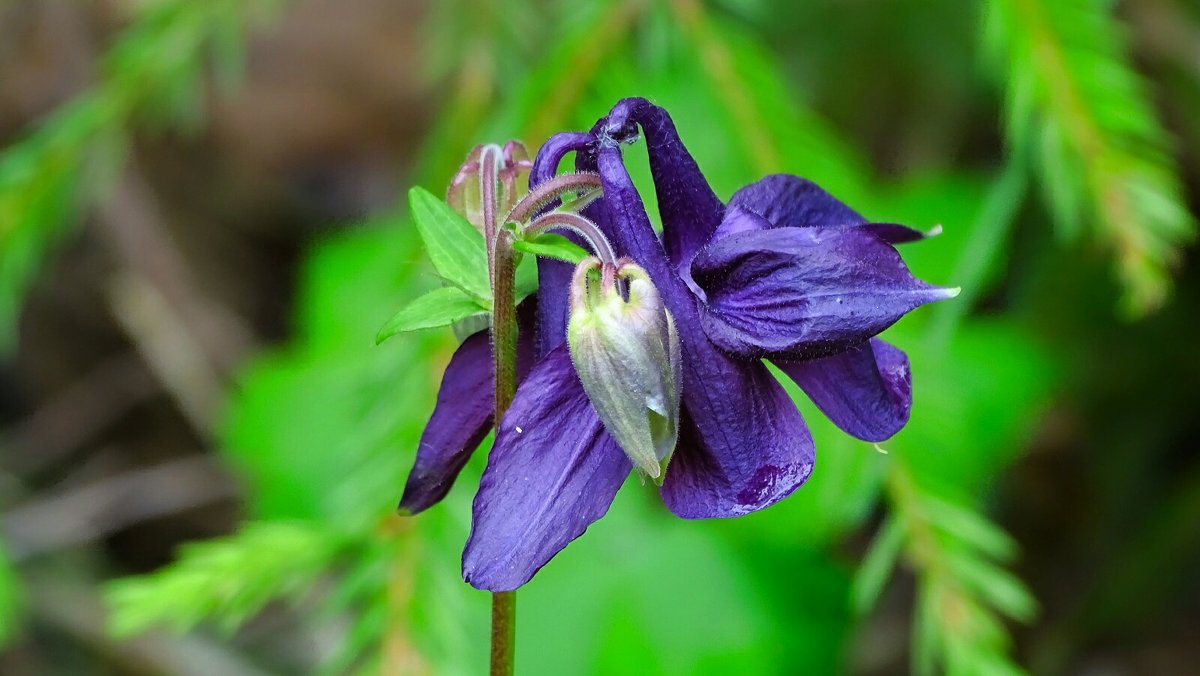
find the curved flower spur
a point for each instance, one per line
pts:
(783, 272)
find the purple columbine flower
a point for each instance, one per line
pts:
(783, 272)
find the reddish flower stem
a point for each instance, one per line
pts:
(504, 363)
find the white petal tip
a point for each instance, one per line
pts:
(951, 292)
(934, 231)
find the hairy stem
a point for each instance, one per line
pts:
(504, 324)
(504, 632)
(578, 225)
(549, 191)
(489, 159)
(504, 362)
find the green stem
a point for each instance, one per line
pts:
(504, 632)
(504, 361)
(504, 324)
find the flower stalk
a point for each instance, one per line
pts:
(504, 321)
(502, 268)
(583, 184)
(579, 225)
(504, 351)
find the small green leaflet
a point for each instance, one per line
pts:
(582, 200)
(454, 245)
(440, 307)
(552, 245)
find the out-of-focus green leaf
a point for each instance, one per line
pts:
(983, 392)
(10, 599)
(440, 307)
(877, 567)
(552, 245)
(982, 249)
(456, 248)
(926, 638)
(772, 128)
(227, 580)
(994, 585)
(968, 527)
(962, 589)
(679, 589)
(43, 182)
(313, 428)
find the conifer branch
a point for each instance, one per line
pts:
(1082, 112)
(962, 589)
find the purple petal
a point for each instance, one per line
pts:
(738, 220)
(552, 472)
(550, 155)
(797, 293)
(460, 421)
(792, 202)
(866, 391)
(463, 414)
(690, 210)
(744, 445)
(894, 233)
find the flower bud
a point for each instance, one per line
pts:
(510, 180)
(626, 352)
(515, 167)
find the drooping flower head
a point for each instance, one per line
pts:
(782, 272)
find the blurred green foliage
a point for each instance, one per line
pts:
(1074, 103)
(10, 598)
(153, 75)
(323, 429)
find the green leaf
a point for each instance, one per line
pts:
(552, 245)
(456, 248)
(526, 281)
(926, 640)
(440, 307)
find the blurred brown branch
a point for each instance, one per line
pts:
(89, 513)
